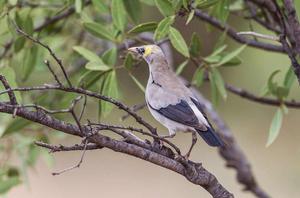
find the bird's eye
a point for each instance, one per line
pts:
(141, 50)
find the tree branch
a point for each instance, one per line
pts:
(195, 173)
(269, 101)
(293, 22)
(233, 34)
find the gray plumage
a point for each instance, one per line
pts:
(170, 101)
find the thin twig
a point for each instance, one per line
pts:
(233, 34)
(76, 165)
(11, 94)
(83, 108)
(141, 131)
(58, 61)
(60, 148)
(47, 63)
(134, 108)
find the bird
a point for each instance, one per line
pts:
(172, 103)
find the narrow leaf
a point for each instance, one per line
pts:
(128, 63)
(181, 67)
(214, 90)
(87, 54)
(109, 57)
(271, 85)
(218, 80)
(190, 17)
(118, 14)
(96, 66)
(178, 42)
(231, 55)
(98, 30)
(275, 127)
(195, 45)
(109, 88)
(165, 7)
(198, 77)
(100, 6)
(143, 27)
(16, 125)
(163, 28)
(78, 6)
(29, 63)
(137, 82)
(133, 8)
(289, 78)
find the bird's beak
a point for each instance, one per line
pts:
(133, 49)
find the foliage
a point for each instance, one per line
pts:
(92, 35)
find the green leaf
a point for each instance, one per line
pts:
(181, 67)
(109, 88)
(228, 57)
(16, 125)
(100, 6)
(97, 66)
(218, 81)
(8, 183)
(118, 14)
(137, 82)
(143, 27)
(233, 62)
(218, 50)
(282, 92)
(221, 40)
(190, 17)
(178, 42)
(275, 127)
(78, 6)
(165, 7)
(163, 28)
(109, 57)
(148, 2)
(205, 3)
(90, 78)
(221, 10)
(10, 26)
(133, 8)
(87, 54)
(195, 45)
(29, 63)
(98, 30)
(214, 91)
(19, 43)
(289, 78)
(28, 25)
(128, 63)
(198, 77)
(271, 85)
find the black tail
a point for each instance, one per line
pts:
(210, 137)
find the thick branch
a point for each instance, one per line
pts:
(195, 173)
(293, 22)
(232, 153)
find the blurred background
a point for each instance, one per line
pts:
(105, 173)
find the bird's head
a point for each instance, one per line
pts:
(149, 53)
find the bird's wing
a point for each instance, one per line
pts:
(180, 112)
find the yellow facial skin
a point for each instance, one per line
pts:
(148, 50)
